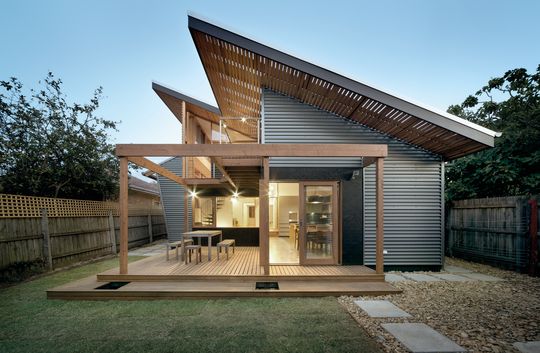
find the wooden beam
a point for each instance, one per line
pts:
(156, 168)
(224, 172)
(379, 215)
(204, 181)
(367, 161)
(264, 227)
(252, 150)
(241, 162)
(123, 205)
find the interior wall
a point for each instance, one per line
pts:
(237, 209)
(286, 204)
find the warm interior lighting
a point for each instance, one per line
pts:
(243, 120)
(224, 126)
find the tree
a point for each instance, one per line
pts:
(509, 104)
(49, 147)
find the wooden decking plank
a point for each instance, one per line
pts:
(244, 263)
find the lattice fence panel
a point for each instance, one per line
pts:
(18, 206)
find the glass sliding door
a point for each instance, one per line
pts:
(319, 223)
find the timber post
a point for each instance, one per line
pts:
(123, 201)
(47, 257)
(264, 218)
(150, 235)
(379, 216)
(533, 231)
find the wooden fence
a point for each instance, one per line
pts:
(62, 232)
(501, 231)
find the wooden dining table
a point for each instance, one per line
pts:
(210, 233)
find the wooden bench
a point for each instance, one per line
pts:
(227, 243)
(189, 250)
(176, 245)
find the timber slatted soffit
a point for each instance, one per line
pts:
(238, 67)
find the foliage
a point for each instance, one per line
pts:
(49, 147)
(509, 104)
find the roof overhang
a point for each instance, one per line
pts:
(173, 99)
(238, 68)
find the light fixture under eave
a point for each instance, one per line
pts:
(235, 194)
(243, 120)
(193, 194)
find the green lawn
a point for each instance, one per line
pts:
(31, 323)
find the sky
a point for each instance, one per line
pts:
(433, 52)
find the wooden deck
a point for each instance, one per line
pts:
(243, 264)
(157, 278)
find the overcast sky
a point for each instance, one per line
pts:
(434, 52)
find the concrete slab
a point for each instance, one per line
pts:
(421, 277)
(482, 277)
(421, 338)
(452, 277)
(394, 277)
(381, 308)
(456, 269)
(528, 347)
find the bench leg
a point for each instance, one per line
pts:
(177, 253)
(167, 251)
(227, 251)
(218, 251)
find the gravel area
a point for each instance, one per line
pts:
(479, 316)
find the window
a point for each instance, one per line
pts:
(225, 212)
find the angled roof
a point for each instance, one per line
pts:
(238, 67)
(173, 100)
(137, 184)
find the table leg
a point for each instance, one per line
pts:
(209, 248)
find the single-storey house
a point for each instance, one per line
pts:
(313, 174)
(269, 97)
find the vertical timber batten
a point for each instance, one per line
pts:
(123, 203)
(264, 248)
(379, 247)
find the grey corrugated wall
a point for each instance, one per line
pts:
(172, 199)
(413, 204)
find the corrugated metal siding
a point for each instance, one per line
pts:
(413, 210)
(288, 121)
(172, 198)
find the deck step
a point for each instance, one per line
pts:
(240, 278)
(85, 289)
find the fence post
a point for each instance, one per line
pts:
(46, 239)
(533, 231)
(150, 235)
(449, 236)
(112, 233)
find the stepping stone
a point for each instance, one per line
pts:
(456, 269)
(420, 277)
(421, 338)
(381, 308)
(452, 278)
(528, 347)
(482, 277)
(393, 277)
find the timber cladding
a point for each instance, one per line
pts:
(68, 239)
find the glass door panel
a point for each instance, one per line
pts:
(319, 223)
